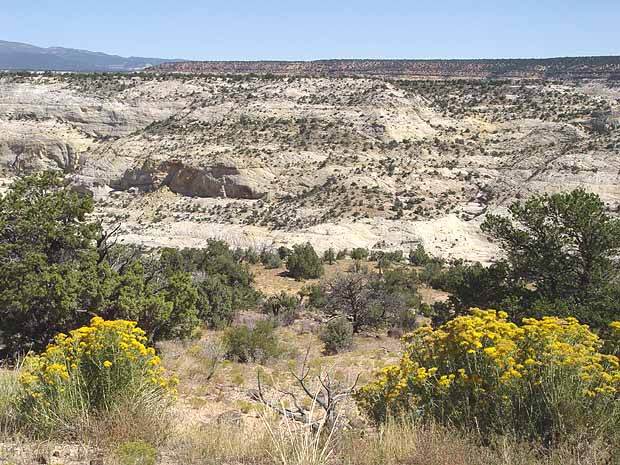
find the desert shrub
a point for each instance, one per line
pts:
(358, 267)
(491, 286)
(342, 254)
(418, 257)
(207, 356)
(370, 300)
(216, 302)
(251, 256)
(282, 308)
(92, 370)
(561, 258)
(224, 284)
(406, 319)
(359, 253)
(56, 262)
(545, 379)
(337, 335)
(566, 244)
(136, 453)
(258, 344)
(433, 274)
(163, 304)
(329, 256)
(304, 263)
(271, 260)
(351, 296)
(316, 295)
(386, 257)
(284, 252)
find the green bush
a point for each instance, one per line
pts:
(304, 263)
(359, 253)
(282, 308)
(216, 303)
(258, 344)
(405, 319)
(284, 252)
(61, 264)
(433, 274)
(271, 260)
(316, 295)
(337, 335)
(251, 256)
(342, 254)
(224, 284)
(136, 453)
(370, 300)
(49, 262)
(561, 258)
(418, 257)
(164, 306)
(329, 256)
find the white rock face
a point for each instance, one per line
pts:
(338, 162)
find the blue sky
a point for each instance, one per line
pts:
(275, 29)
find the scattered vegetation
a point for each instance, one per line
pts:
(532, 384)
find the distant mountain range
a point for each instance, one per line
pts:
(19, 56)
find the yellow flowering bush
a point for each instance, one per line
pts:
(543, 378)
(612, 338)
(92, 369)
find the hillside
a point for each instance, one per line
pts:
(19, 56)
(341, 163)
(548, 68)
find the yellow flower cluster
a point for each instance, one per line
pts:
(612, 342)
(483, 358)
(105, 355)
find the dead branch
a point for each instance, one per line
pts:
(325, 394)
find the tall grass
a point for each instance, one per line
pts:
(144, 418)
(294, 443)
(9, 391)
(394, 443)
(407, 443)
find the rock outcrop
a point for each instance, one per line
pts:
(225, 181)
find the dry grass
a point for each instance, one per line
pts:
(216, 444)
(408, 444)
(8, 391)
(270, 443)
(128, 423)
(274, 281)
